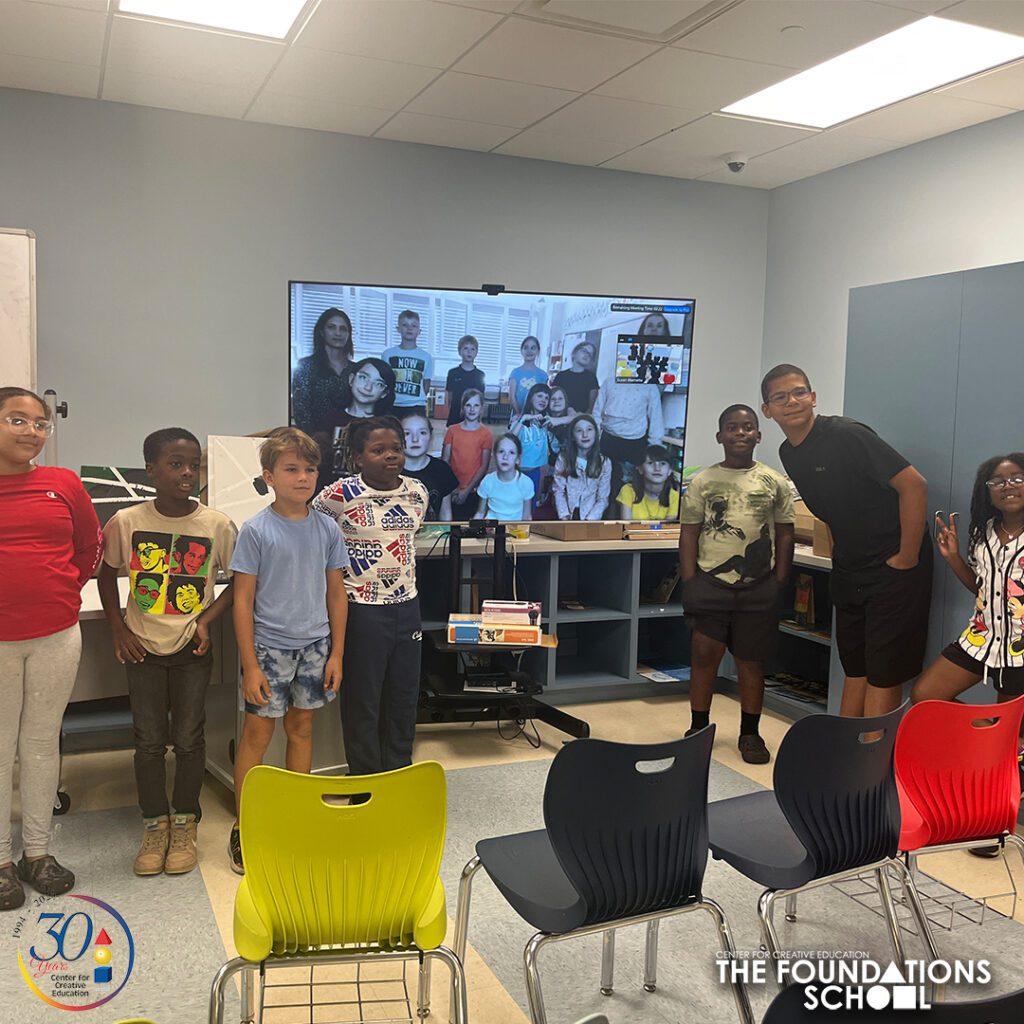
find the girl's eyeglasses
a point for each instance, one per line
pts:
(999, 484)
(20, 425)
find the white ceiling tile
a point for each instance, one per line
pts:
(1002, 15)
(653, 17)
(714, 135)
(684, 78)
(444, 131)
(754, 31)
(174, 51)
(497, 6)
(918, 6)
(365, 81)
(1003, 88)
(51, 33)
(122, 86)
(562, 58)
(578, 149)
(651, 159)
(48, 75)
(605, 117)
(83, 5)
(924, 117)
(488, 100)
(431, 35)
(755, 176)
(821, 152)
(320, 115)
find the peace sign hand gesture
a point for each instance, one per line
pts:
(946, 536)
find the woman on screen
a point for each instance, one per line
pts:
(630, 418)
(320, 381)
(654, 324)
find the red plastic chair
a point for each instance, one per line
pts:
(957, 775)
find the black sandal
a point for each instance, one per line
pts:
(45, 875)
(12, 893)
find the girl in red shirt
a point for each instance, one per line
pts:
(50, 543)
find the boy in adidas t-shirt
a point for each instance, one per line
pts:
(379, 512)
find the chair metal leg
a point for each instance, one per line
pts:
(651, 957)
(791, 907)
(533, 992)
(423, 989)
(739, 991)
(1017, 843)
(459, 1013)
(766, 911)
(222, 977)
(462, 910)
(248, 1014)
(917, 908)
(889, 909)
(607, 963)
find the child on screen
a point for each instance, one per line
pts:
(654, 491)
(467, 449)
(506, 493)
(582, 479)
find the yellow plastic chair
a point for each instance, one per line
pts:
(327, 881)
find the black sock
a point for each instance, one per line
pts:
(698, 719)
(749, 723)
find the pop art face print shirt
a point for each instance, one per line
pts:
(171, 565)
(378, 528)
(995, 634)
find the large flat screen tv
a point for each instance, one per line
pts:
(514, 405)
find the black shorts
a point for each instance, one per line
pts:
(1008, 681)
(882, 619)
(745, 619)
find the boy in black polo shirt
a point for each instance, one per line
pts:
(875, 504)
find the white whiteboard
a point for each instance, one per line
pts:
(17, 308)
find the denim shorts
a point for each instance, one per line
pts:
(296, 678)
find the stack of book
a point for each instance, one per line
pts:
(508, 623)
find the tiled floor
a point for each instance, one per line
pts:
(105, 780)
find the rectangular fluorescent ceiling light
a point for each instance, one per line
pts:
(271, 18)
(917, 58)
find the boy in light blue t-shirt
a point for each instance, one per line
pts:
(290, 612)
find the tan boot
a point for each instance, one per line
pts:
(181, 854)
(150, 860)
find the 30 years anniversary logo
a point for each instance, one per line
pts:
(75, 952)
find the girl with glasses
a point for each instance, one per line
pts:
(992, 645)
(50, 543)
(370, 391)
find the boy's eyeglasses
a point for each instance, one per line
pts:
(20, 425)
(999, 484)
(782, 397)
(368, 382)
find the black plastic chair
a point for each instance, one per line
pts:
(625, 843)
(788, 1008)
(833, 814)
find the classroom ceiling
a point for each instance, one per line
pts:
(631, 85)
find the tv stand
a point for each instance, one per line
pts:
(499, 693)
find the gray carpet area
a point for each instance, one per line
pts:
(504, 799)
(177, 945)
